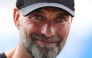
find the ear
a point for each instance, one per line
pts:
(16, 16)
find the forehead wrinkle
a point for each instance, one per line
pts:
(51, 11)
(54, 12)
(47, 9)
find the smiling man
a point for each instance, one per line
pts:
(43, 26)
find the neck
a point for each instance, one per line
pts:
(19, 52)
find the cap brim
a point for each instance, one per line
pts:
(30, 8)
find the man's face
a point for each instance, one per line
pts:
(44, 31)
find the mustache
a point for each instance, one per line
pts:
(42, 37)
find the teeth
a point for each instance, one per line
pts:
(35, 37)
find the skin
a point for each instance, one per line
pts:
(49, 27)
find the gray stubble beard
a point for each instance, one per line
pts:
(41, 52)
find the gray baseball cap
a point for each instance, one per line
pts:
(28, 6)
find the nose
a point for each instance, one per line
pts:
(48, 30)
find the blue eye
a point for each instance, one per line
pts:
(59, 19)
(36, 18)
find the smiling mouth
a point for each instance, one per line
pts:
(46, 42)
(43, 40)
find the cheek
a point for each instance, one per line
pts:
(31, 27)
(63, 30)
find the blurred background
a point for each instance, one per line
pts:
(79, 43)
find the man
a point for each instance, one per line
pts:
(43, 27)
